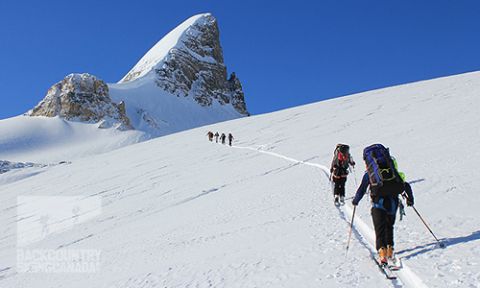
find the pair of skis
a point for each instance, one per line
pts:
(339, 201)
(388, 269)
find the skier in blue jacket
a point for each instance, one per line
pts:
(384, 210)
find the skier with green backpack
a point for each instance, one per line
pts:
(386, 184)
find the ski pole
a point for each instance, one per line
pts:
(355, 176)
(351, 228)
(442, 245)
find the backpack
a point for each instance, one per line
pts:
(383, 176)
(341, 156)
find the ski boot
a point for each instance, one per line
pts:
(382, 256)
(342, 200)
(336, 200)
(393, 262)
(390, 252)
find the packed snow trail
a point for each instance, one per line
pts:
(406, 275)
(325, 169)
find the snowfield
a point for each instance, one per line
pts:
(179, 211)
(49, 140)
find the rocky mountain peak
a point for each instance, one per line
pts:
(82, 97)
(189, 62)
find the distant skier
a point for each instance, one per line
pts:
(230, 139)
(222, 138)
(210, 136)
(339, 171)
(385, 183)
(216, 137)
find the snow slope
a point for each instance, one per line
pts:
(179, 211)
(49, 140)
(158, 113)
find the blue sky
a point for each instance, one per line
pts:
(286, 53)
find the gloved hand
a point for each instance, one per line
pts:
(409, 202)
(354, 203)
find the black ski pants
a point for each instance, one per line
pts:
(339, 188)
(383, 224)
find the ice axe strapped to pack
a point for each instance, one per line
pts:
(384, 178)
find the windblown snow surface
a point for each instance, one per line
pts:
(179, 211)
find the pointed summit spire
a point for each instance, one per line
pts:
(190, 36)
(188, 62)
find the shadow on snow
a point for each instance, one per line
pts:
(421, 249)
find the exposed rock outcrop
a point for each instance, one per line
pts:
(6, 166)
(82, 97)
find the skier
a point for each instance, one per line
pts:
(230, 139)
(385, 183)
(216, 137)
(222, 138)
(339, 171)
(210, 136)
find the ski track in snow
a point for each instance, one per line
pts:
(363, 233)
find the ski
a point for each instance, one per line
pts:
(394, 264)
(384, 268)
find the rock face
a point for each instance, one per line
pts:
(82, 97)
(194, 67)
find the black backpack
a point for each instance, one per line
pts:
(345, 151)
(383, 177)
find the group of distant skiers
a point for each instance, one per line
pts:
(385, 183)
(222, 137)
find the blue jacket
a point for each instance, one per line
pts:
(389, 204)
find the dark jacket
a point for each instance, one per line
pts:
(341, 171)
(389, 204)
